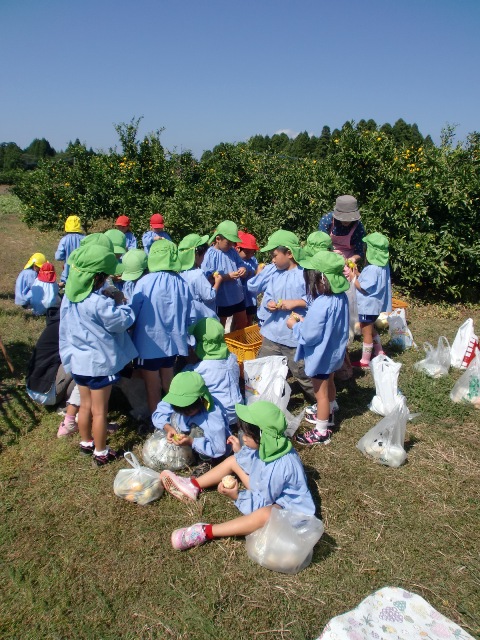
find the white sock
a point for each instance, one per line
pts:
(101, 453)
(86, 443)
(321, 426)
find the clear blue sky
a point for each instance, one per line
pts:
(213, 71)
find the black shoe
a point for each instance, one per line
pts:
(110, 456)
(87, 450)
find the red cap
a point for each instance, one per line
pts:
(47, 273)
(248, 241)
(156, 221)
(123, 221)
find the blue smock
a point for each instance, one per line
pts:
(323, 335)
(128, 289)
(378, 286)
(214, 424)
(203, 294)
(281, 482)
(93, 336)
(130, 240)
(283, 285)
(149, 237)
(162, 304)
(44, 295)
(221, 378)
(23, 287)
(225, 262)
(250, 298)
(67, 244)
(258, 284)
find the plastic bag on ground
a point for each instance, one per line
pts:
(467, 388)
(400, 334)
(139, 484)
(385, 375)
(285, 543)
(159, 454)
(464, 346)
(437, 361)
(384, 443)
(266, 379)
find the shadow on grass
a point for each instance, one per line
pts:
(17, 414)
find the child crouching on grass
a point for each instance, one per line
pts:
(268, 467)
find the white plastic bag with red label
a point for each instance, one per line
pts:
(464, 346)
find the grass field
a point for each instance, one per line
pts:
(78, 562)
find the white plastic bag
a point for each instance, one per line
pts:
(400, 334)
(140, 484)
(353, 310)
(437, 361)
(385, 375)
(285, 543)
(467, 388)
(384, 442)
(464, 346)
(159, 454)
(266, 379)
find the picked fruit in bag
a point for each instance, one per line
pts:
(382, 321)
(139, 484)
(229, 482)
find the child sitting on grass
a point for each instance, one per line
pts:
(26, 278)
(268, 467)
(44, 290)
(201, 419)
(374, 295)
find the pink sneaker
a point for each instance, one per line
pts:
(189, 537)
(181, 488)
(66, 430)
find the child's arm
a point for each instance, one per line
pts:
(60, 253)
(161, 419)
(115, 319)
(290, 305)
(214, 441)
(311, 331)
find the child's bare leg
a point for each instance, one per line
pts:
(85, 414)
(368, 331)
(166, 377)
(243, 525)
(332, 390)
(214, 476)
(153, 388)
(100, 399)
(321, 390)
(239, 320)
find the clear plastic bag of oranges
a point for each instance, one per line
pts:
(139, 484)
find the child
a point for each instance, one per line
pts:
(322, 336)
(94, 344)
(162, 304)
(201, 419)
(285, 293)
(122, 223)
(267, 466)
(191, 252)
(44, 290)
(318, 241)
(258, 284)
(374, 295)
(135, 266)
(218, 367)
(222, 258)
(119, 242)
(246, 249)
(69, 242)
(26, 278)
(156, 232)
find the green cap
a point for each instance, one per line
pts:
(332, 265)
(186, 387)
(87, 262)
(228, 229)
(210, 339)
(118, 239)
(272, 423)
(377, 249)
(318, 241)
(163, 256)
(98, 238)
(134, 264)
(186, 249)
(282, 238)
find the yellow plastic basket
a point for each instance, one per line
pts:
(244, 343)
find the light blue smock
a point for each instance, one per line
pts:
(221, 378)
(281, 482)
(162, 304)
(225, 262)
(203, 294)
(93, 336)
(67, 244)
(23, 287)
(44, 295)
(322, 337)
(250, 298)
(131, 240)
(128, 288)
(148, 238)
(214, 424)
(258, 284)
(378, 286)
(283, 285)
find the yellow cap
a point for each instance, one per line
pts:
(73, 225)
(37, 259)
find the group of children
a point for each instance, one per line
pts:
(166, 307)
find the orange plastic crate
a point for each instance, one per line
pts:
(398, 304)
(244, 343)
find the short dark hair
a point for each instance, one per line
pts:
(201, 249)
(251, 430)
(316, 283)
(182, 410)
